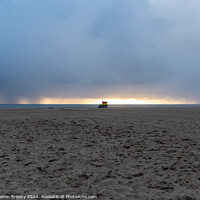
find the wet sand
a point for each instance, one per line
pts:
(114, 153)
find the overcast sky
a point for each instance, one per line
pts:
(99, 49)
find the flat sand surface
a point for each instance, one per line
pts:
(114, 153)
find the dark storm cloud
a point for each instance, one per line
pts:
(93, 48)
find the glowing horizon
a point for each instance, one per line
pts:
(129, 101)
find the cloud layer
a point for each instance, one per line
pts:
(97, 49)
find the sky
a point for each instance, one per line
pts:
(55, 51)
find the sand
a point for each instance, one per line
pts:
(114, 153)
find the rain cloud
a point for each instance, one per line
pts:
(97, 49)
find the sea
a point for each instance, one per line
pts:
(92, 105)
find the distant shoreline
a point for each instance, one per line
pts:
(93, 105)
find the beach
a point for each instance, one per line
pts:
(149, 153)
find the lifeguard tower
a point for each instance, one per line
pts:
(104, 104)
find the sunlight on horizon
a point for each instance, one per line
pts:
(49, 100)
